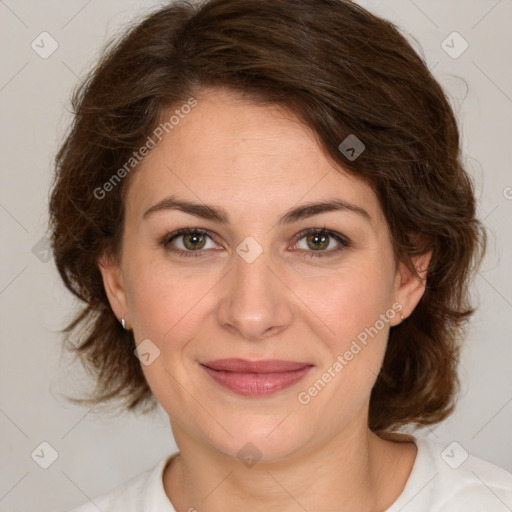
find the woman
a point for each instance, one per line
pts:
(262, 206)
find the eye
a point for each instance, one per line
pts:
(191, 242)
(188, 241)
(321, 242)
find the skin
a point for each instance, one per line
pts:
(256, 162)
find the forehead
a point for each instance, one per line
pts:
(242, 155)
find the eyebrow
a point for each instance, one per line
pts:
(217, 214)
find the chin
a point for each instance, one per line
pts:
(261, 438)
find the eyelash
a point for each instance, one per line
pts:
(344, 242)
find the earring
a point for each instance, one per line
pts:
(123, 323)
(402, 317)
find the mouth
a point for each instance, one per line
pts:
(256, 378)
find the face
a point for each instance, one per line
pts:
(252, 281)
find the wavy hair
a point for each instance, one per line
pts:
(341, 70)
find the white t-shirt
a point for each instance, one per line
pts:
(442, 480)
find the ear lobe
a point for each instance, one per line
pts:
(113, 284)
(410, 287)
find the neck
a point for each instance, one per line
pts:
(359, 471)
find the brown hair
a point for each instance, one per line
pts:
(342, 71)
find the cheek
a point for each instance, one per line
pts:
(354, 308)
(348, 301)
(162, 300)
(166, 306)
(167, 301)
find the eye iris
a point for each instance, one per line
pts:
(191, 240)
(319, 240)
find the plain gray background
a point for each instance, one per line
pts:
(96, 453)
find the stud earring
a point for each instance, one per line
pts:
(402, 317)
(123, 323)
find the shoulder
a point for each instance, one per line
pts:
(124, 497)
(468, 481)
(445, 477)
(142, 492)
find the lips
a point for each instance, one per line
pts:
(245, 366)
(256, 378)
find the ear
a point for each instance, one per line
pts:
(114, 287)
(409, 288)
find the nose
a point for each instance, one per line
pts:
(255, 302)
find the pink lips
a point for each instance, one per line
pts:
(256, 378)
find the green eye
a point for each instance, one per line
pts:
(194, 241)
(318, 241)
(322, 242)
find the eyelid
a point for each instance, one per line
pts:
(166, 240)
(323, 231)
(343, 241)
